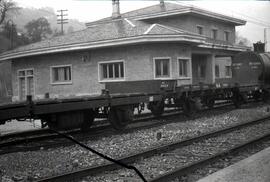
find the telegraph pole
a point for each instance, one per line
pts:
(62, 20)
(265, 39)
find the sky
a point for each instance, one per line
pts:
(256, 13)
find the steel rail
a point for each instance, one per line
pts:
(197, 164)
(148, 153)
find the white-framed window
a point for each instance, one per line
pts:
(228, 71)
(226, 35)
(162, 67)
(199, 29)
(214, 33)
(25, 83)
(217, 74)
(111, 71)
(61, 74)
(183, 67)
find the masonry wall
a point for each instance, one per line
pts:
(138, 66)
(190, 23)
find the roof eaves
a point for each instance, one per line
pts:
(105, 43)
(192, 10)
(224, 47)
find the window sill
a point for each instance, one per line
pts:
(116, 80)
(163, 78)
(61, 83)
(184, 78)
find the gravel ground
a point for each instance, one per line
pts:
(36, 164)
(166, 162)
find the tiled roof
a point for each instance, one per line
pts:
(145, 11)
(109, 32)
(168, 8)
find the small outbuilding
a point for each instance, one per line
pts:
(161, 42)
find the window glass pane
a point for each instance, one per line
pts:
(158, 67)
(113, 70)
(61, 74)
(183, 68)
(166, 68)
(110, 70)
(217, 71)
(21, 73)
(55, 75)
(116, 70)
(226, 36)
(199, 30)
(228, 70)
(29, 72)
(214, 33)
(105, 74)
(122, 69)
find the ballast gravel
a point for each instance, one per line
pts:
(27, 166)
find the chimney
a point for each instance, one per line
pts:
(161, 2)
(115, 9)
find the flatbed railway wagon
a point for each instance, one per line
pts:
(250, 79)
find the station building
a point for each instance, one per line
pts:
(161, 42)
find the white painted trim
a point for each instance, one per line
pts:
(189, 74)
(149, 29)
(111, 80)
(170, 68)
(34, 82)
(170, 28)
(129, 22)
(65, 82)
(105, 43)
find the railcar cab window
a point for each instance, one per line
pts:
(214, 34)
(162, 67)
(111, 70)
(61, 74)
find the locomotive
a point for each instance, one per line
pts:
(250, 79)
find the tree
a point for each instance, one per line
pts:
(241, 40)
(38, 29)
(5, 7)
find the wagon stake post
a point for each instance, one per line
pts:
(101, 155)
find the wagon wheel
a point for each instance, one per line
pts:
(257, 95)
(120, 117)
(210, 103)
(157, 108)
(189, 107)
(89, 117)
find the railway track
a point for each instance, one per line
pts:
(37, 139)
(142, 158)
